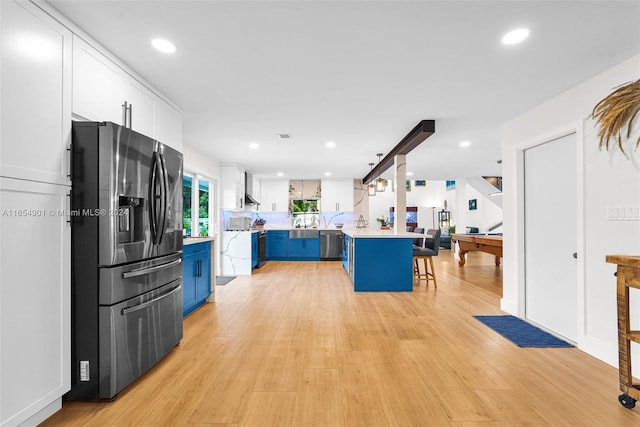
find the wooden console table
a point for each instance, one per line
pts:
(628, 276)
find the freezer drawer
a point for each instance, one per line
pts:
(136, 334)
(127, 281)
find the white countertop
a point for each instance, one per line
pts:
(365, 232)
(194, 240)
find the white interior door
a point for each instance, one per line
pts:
(550, 184)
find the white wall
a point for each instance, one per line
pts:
(485, 216)
(434, 194)
(194, 161)
(199, 164)
(604, 179)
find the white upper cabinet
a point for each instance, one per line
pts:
(337, 195)
(35, 109)
(168, 125)
(101, 87)
(98, 92)
(232, 187)
(274, 196)
(141, 103)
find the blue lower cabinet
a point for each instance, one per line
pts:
(196, 275)
(296, 248)
(277, 244)
(312, 249)
(304, 249)
(281, 247)
(391, 273)
(345, 252)
(254, 250)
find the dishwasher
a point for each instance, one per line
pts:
(331, 245)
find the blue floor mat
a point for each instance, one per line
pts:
(521, 333)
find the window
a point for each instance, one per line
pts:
(203, 208)
(197, 206)
(305, 212)
(187, 185)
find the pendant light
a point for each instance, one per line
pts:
(380, 183)
(371, 187)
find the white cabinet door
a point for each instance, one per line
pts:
(274, 196)
(98, 92)
(337, 195)
(35, 325)
(232, 187)
(168, 125)
(142, 103)
(101, 87)
(35, 108)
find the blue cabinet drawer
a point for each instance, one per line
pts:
(196, 247)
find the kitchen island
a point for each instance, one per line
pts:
(238, 252)
(378, 260)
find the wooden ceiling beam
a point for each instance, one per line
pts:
(422, 131)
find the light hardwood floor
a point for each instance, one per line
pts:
(293, 345)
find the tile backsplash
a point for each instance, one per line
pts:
(282, 220)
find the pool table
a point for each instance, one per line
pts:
(489, 243)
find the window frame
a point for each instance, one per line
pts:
(195, 203)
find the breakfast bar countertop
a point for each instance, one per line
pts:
(370, 233)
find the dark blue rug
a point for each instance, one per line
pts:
(521, 333)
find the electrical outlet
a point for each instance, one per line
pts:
(84, 370)
(629, 212)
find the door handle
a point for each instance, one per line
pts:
(153, 214)
(164, 186)
(143, 271)
(575, 255)
(126, 108)
(135, 308)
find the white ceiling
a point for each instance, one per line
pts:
(362, 74)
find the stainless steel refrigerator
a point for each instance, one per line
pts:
(126, 214)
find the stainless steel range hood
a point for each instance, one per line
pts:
(248, 190)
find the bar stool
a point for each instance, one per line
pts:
(430, 249)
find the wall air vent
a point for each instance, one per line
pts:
(285, 135)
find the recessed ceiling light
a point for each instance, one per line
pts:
(164, 46)
(254, 146)
(515, 36)
(327, 174)
(330, 144)
(465, 144)
(280, 174)
(409, 173)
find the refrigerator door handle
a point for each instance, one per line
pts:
(143, 271)
(164, 185)
(153, 196)
(138, 307)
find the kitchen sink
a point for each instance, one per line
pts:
(304, 234)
